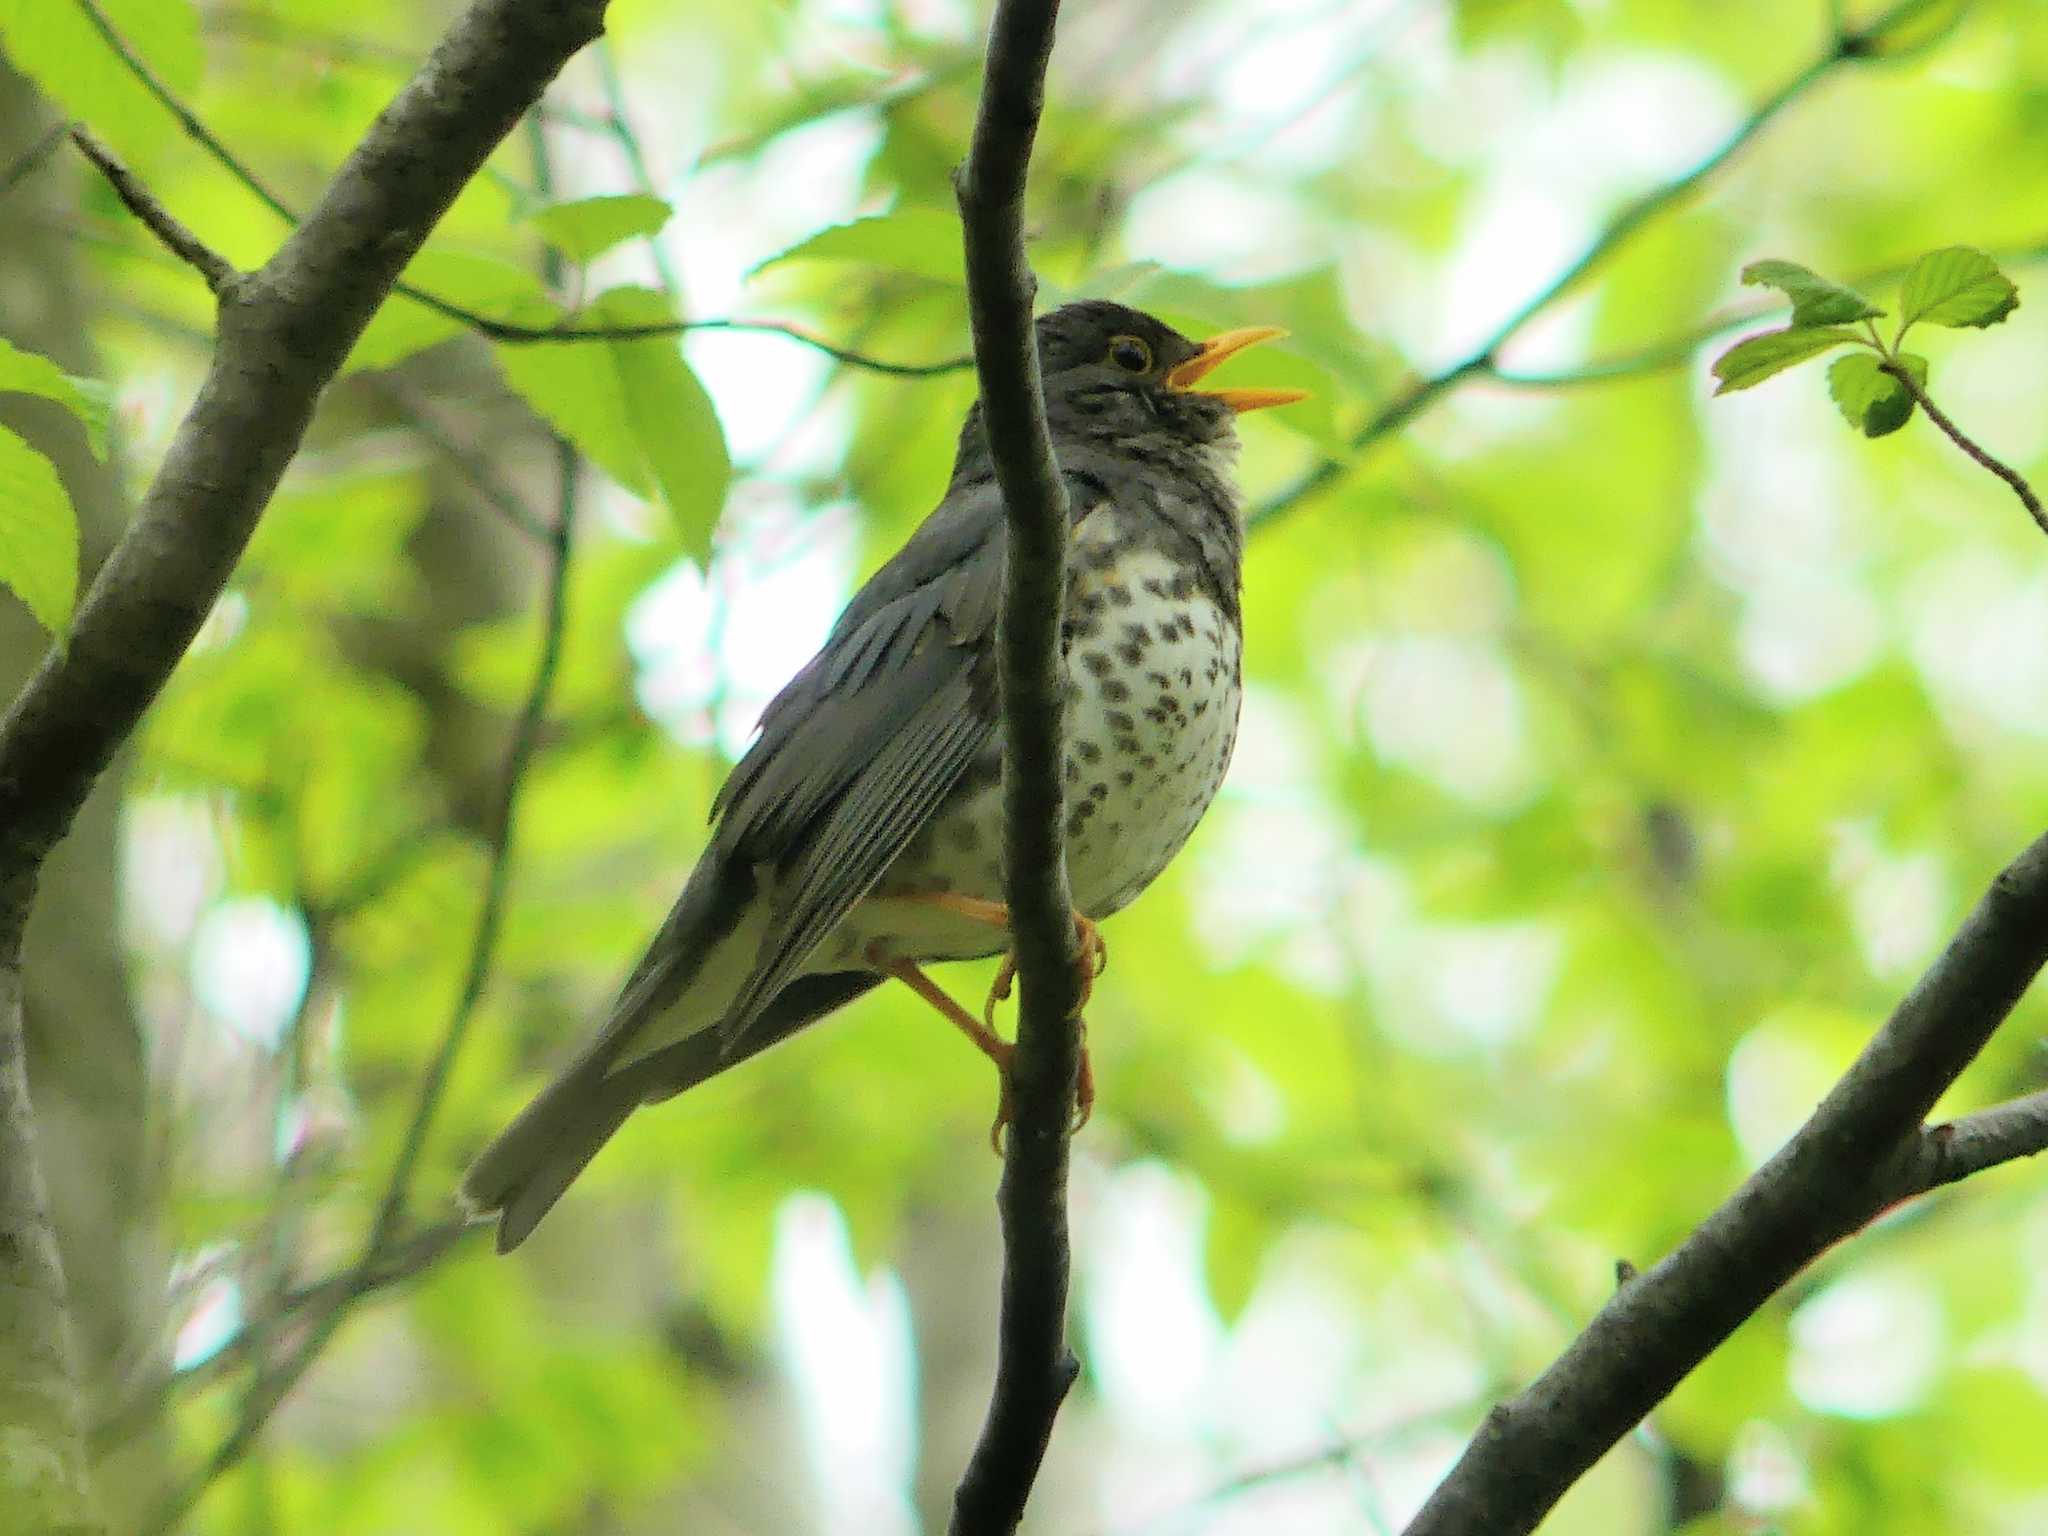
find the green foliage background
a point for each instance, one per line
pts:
(1614, 758)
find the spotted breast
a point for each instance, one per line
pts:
(1154, 686)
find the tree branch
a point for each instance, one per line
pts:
(283, 333)
(1863, 1150)
(156, 218)
(1964, 441)
(504, 331)
(284, 330)
(1034, 1367)
(1843, 47)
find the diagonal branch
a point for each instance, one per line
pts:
(1955, 434)
(1863, 1150)
(1844, 47)
(156, 218)
(283, 332)
(1034, 1367)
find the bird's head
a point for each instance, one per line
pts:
(1120, 381)
(1107, 360)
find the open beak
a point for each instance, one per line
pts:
(1218, 348)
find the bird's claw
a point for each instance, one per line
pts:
(1093, 961)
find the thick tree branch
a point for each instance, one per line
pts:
(1864, 1149)
(1034, 1367)
(283, 332)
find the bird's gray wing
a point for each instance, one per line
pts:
(857, 753)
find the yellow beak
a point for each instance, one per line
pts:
(1218, 348)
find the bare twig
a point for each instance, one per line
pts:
(1843, 48)
(155, 217)
(23, 165)
(1034, 1367)
(1863, 1150)
(1962, 440)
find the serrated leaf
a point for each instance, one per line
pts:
(1871, 400)
(920, 241)
(58, 48)
(1755, 358)
(590, 226)
(38, 534)
(633, 408)
(484, 285)
(1815, 300)
(1957, 286)
(30, 373)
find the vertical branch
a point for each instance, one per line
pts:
(43, 1480)
(1034, 1367)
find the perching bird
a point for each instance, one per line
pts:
(861, 835)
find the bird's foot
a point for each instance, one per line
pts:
(1006, 1109)
(1093, 961)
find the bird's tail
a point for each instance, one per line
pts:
(523, 1173)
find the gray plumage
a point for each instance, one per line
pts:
(888, 736)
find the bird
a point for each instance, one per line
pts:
(860, 836)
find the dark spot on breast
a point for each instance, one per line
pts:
(1201, 708)
(1183, 585)
(1168, 701)
(1127, 778)
(1158, 679)
(1120, 596)
(1115, 690)
(1187, 678)
(1086, 750)
(1119, 721)
(1130, 653)
(1154, 585)
(1138, 634)
(1098, 663)
(1098, 791)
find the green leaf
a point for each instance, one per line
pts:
(30, 373)
(38, 534)
(1755, 358)
(634, 408)
(671, 416)
(1872, 400)
(57, 47)
(591, 226)
(484, 285)
(1815, 300)
(921, 241)
(1957, 286)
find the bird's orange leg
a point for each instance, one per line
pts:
(1094, 959)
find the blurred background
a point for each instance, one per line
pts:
(1613, 760)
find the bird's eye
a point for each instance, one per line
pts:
(1130, 354)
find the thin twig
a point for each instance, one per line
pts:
(484, 325)
(187, 119)
(155, 217)
(1419, 396)
(1962, 440)
(2004, 1133)
(24, 164)
(1034, 1367)
(1863, 1150)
